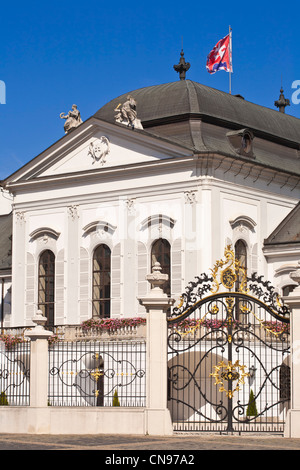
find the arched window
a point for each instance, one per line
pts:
(161, 252)
(46, 286)
(240, 250)
(101, 281)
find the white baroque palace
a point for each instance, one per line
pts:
(92, 214)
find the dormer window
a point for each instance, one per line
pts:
(241, 141)
(246, 143)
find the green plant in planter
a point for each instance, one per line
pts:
(116, 399)
(251, 409)
(3, 399)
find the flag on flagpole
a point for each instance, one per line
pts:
(220, 57)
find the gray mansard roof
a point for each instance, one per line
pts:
(201, 117)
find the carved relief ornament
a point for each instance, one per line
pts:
(73, 212)
(99, 149)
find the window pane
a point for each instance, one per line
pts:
(101, 281)
(96, 278)
(46, 285)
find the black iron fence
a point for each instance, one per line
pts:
(14, 374)
(97, 373)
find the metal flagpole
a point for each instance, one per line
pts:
(230, 57)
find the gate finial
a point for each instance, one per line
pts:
(230, 274)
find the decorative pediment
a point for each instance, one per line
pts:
(157, 219)
(44, 232)
(99, 225)
(243, 221)
(95, 146)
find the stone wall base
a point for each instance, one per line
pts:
(292, 424)
(83, 420)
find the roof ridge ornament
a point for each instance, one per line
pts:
(282, 102)
(182, 67)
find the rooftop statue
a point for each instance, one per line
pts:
(73, 119)
(127, 114)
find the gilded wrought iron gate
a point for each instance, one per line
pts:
(228, 354)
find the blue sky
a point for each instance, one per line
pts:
(54, 54)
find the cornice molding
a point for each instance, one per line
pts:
(170, 189)
(108, 174)
(210, 162)
(112, 196)
(284, 249)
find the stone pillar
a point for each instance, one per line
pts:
(157, 303)
(292, 426)
(71, 279)
(39, 369)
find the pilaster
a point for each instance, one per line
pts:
(72, 313)
(292, 426)
(18, 268)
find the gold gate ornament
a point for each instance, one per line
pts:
(96, 375)
(228, 270)
(228, 372)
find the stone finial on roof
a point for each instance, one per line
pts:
(282, 102)
(182, 67)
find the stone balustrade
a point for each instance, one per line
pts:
(79, 333)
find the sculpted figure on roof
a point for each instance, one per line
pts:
(127, 114)
(73, 119)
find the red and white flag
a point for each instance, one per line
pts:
(220, 57)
